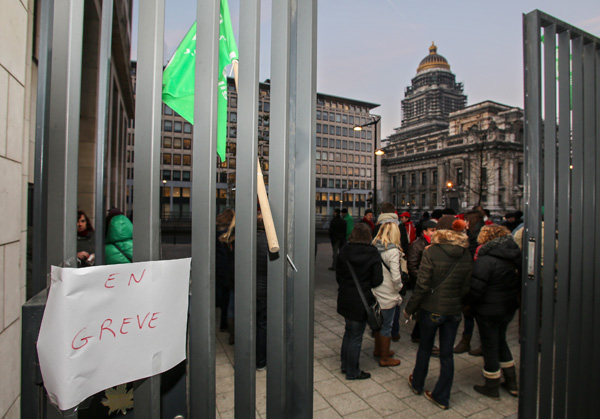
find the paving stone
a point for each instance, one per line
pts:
(321, 373)
(332, 387)
(365, 388)
(386, 404)
(347, 403)
(319, 403)
(466, 405)
(405, 414)
(225, 401)
(487, 414)
(328, 413)
(364, 414)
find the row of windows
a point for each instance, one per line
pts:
(177, 143)
(343, 157)
(344, 131)
(337, 197)
(177, 159)
(341, 118)
(345, 106)
(413, 179)
(177, 192)
(176, 175)
(343, 171)
(177, 126)
(344, 144)
(343, 184)
(416, 200)
(263, 119)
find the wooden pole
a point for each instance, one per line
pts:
(261, 191)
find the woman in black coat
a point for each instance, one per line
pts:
(366, 262)
(495, 286)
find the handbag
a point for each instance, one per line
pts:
(374, 317)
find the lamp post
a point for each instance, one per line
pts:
(378, 152)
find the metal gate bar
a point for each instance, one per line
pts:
(566, 285)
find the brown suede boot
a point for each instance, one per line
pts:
(464, 345)
(377, 350)
(386, 359)
(476, 352)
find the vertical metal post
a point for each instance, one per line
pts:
(375, 156)
(202, 315)
(245, 205)
(589, 202)
(576, 230)
(596, 337)
(101, 122)
(42, 122)
(146, 221)
(303, 147)
(549, 239)
(531, 242)
(564, 224)
(64, 131)
(278, 196)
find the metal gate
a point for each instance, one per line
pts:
(560, 366)
(293, 102)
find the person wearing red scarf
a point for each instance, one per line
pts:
(411, 230)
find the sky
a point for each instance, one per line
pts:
(369, 50)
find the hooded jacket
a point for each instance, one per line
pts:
(447, 248)
(119, 241)
(495, 282)
(366, 262)
(413, 259)
(388, 292)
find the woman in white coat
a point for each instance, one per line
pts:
(387, 243)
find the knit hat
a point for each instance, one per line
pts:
(387, 217)
(445, 223)
(428, 224)
(459, 225)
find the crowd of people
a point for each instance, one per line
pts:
(447, 267)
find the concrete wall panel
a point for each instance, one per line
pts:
(10, 200)
(13, 33)
(10, 367)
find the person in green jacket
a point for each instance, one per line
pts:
(349, 222)
(119, 238)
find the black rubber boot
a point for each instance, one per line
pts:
(490, 389)
(510, 381)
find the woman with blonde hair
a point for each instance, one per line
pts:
(387, 243)
(494, 298)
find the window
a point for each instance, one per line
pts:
(500, 176)
(318, 141)
(325, 129)
(363, 160)
(345, 131)
(363, 146)
(459, 176)
(324, 155)
(434, 198)
(363, 134)
(344, 119)
(338, 144)
(186, 174)
(351, 145)
(369, 135)
(484, 178)
(338, 117)
(331, 116)
(325, 116)
(424, 178)
(338, 157)
(319, 155)
(267, 107)
(177, 159)
(345, 144)
(368, 172)
(319, 115)
(178, 126)
(187, 160)
(413, 179)
(435, 180)
(369, 147)
(318, 169)
(344, 157)
(232, 132)
(187, 144)
(168, 126)
(350, 119)
(168, 111)
(166, 175)
(331, 143)
(177, 143)
(231, 162)
(423, 200)
(318, 128)
(176, 175)
(403, 183)
(167, 142)
(338, 130)
(166, 158)
(187, 127)
(344, 171)
(233, 117)
(520, 173)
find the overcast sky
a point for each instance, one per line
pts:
(370, 49)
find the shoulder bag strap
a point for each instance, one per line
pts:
(448, 273)
(362, 296)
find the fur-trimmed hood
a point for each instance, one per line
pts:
(450, 237)
(503, 247)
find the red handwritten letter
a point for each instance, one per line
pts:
(85, 340)
(110, 278)
(154, 317)
(102, 328)
(138, 320)
(125, 321)
(132, 276)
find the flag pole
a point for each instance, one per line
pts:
(261, 191)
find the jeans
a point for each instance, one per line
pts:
(492, 331)
(395, 322)
(469, 324)
(335, 247)
(448, 326)
(388, 317)
(351, 344)
(261, 333)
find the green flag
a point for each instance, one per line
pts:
(179, 76)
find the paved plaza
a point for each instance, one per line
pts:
(386, 394)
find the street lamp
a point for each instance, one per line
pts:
(378, 152)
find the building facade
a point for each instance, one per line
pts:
(447, 154)
(345, 157)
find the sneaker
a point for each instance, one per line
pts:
(361, 376)
(410, 377)
(429, 397)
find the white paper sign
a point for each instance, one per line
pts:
(112, 324)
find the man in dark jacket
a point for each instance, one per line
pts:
(337, 236)
(443, 281)
(368, 220)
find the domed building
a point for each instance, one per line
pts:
(448, 154)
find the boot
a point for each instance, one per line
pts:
(510, 381)
(476, 352)
(377, 351)
(386, 359)
(231, 330)
(464, 345)
(490, 389)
